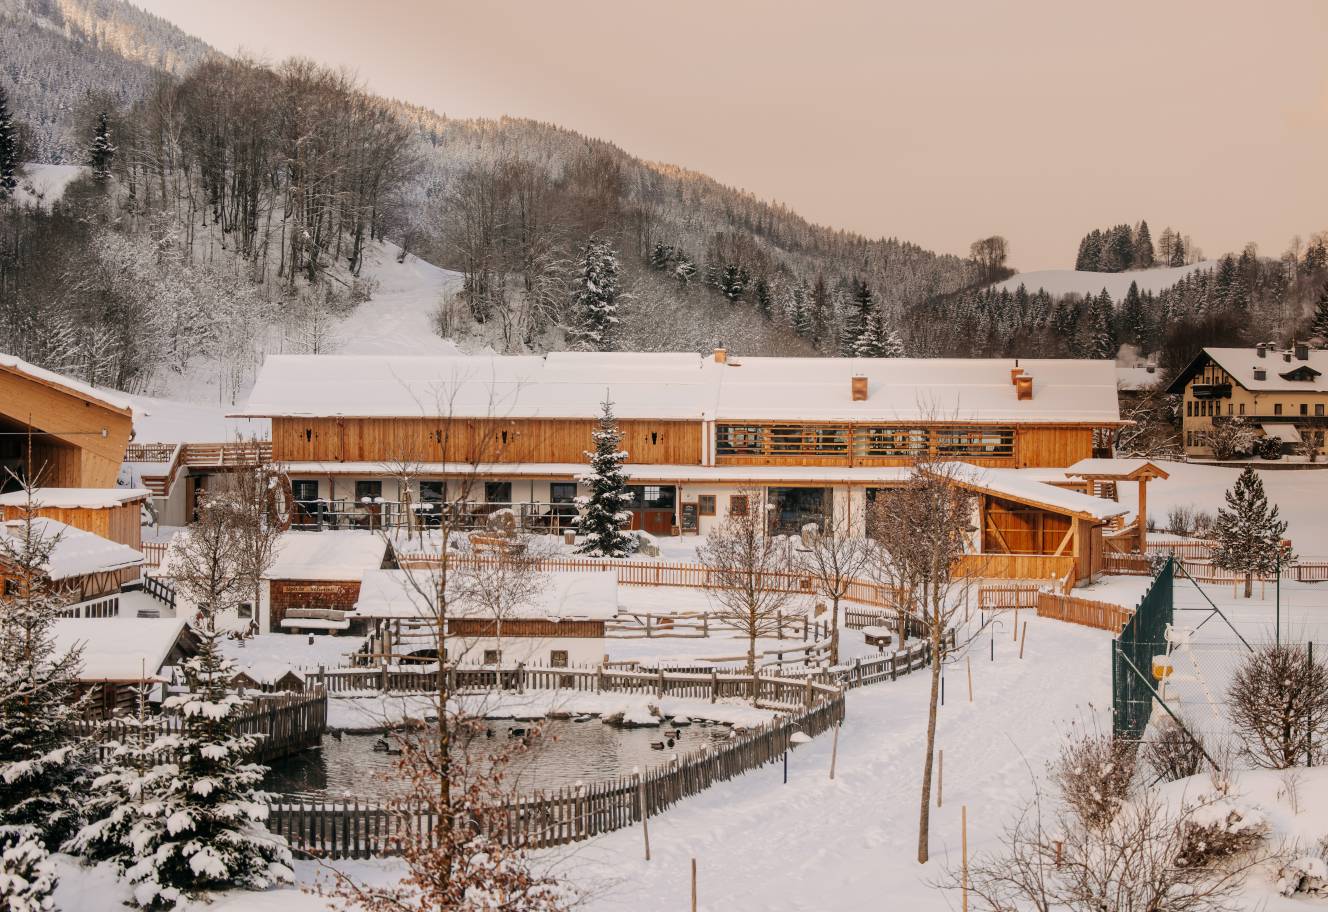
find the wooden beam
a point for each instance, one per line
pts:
(1069, 534)
(999, 537)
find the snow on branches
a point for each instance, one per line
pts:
(604, 511)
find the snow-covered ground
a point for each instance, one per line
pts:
(398, 319)
(42, 185)
(159, 420)
(1071, 281)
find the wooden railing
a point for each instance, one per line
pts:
(105, 607)
(1102, 615)
(339, 829)
(283, 724)
(154, 553)
(178, 456)
(150, 452)
(1008, 595)
(160, 590)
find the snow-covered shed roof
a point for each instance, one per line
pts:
(76, 498)
(115, 401)
(1116, 469)
(119, 649)
(683, 386)
(1010, 484)
(341, 555)
(74, 552)
(591, 595)
(1281, 375)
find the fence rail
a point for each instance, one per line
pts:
(1008, 595)
(283, 724)
(154, 553)
(105, 607)
(1089, 613)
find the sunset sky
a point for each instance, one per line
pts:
(932, 122)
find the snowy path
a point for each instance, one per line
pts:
(398, 320)
(849, 844)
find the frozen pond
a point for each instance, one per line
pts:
(565, 752)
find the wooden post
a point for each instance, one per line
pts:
(714, 684)
(963, 823)
(641, 803)
(1143, 513)
(693, 885)
(1022, 637)
(968, 662)
(940, 776)
(834, 749)
(1014, 634)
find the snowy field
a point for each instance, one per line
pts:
(1070, 281)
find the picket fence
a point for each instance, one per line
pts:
(1089, 613)
(341, 829)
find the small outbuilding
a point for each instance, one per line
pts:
(117, 654)
(84, 566)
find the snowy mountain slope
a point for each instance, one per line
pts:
(1069, 281)
(42, 185)
(398, 319)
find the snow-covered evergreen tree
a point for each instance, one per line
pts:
(27, 876)
(8, 148)
(596, 297)
(1144, 256)
(1319, 327)
(870, 342)
(43, 771)
(1248, 531)
(102, 151)
(200, 824)
(604, 511)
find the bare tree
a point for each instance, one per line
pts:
(742, 559)
(922, 528)
(259, 501)
(990, 254)
(203, 560)
(1279, 706)
(499, 587)
(834, 558)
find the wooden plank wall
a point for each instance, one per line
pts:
(499, 440)
(1022, 530)
(1052, 447)
(118, 524)
(70, 420)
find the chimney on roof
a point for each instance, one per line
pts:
(859, 388)
(1261, 350)
(1302, 351)
(721, 356)
(1023, 387)
(1286, 356)
(1014, 374)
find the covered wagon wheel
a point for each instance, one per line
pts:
(281, 502)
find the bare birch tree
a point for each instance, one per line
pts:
(743, 560)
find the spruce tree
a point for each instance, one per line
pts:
(43, 770)
(1320, 325)
(8, 149)
(1144, 256)
(596, 297)
(764, 302)
(1133, 321)
(733, 282)
(200, 825)
(1249, 532)
(27, 874)
(1101, 340)
(892, 345)
(604, 511)
(102, 151)
(1177, 250)
(870, 343)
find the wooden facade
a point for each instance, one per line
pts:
(77, 440)
(121, 523)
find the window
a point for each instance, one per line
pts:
(11, 587)
(737, 505)
(1318, 410)
(961, 441)
(889, 441)
(499, 492)
(304, 490)
(558, 658)
(739, 440)
(431, 492)
(1304, 408)
(368, 489)
(490, 657)
(705, 504)
(562, 492)
(651, 497)
(1277, 409)
(1189, 409)
(1242, 408)
(1230, 407)
(245, 610)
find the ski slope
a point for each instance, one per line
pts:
(398, 319)
(1058, 282)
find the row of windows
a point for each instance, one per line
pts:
(1203, 408)
(862, 441)
(1196, 438)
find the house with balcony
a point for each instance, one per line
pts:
(1282, 394)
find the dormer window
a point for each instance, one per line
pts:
(1304, 373)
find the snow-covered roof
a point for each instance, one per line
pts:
(1010, 484)
(332, 555)
(115, 401)
(1115, 468)
(591, 595)
(683, 386)
(1240, 363)
(74, 552)
(76, 498)
(118, 649)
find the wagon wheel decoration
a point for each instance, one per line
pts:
(281, 502)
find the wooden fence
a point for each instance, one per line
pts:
(283, 724)
(1008, 595)
(1102, 615)
(104, 607)
(339, 829)
(154, 553)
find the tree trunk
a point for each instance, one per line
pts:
(1249, 585)
(751, 659)
(924, 818)
(834, 631)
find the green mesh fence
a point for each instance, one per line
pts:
(1132, 657)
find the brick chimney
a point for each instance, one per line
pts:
(1302, 351)
(859, 388)
(1023, 387)
(721, 356)
(1014, 374)
(1261, 350)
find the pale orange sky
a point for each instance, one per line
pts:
(935, 122)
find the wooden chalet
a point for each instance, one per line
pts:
(86, 567)
(117, 654)
(63, 433)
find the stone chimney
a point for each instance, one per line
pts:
(721, 356)
(859, 388)
(1023, 387)
(1260, 350)
(1302, 351)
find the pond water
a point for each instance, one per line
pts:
(564, 753)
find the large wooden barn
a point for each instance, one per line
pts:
(365, 439)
